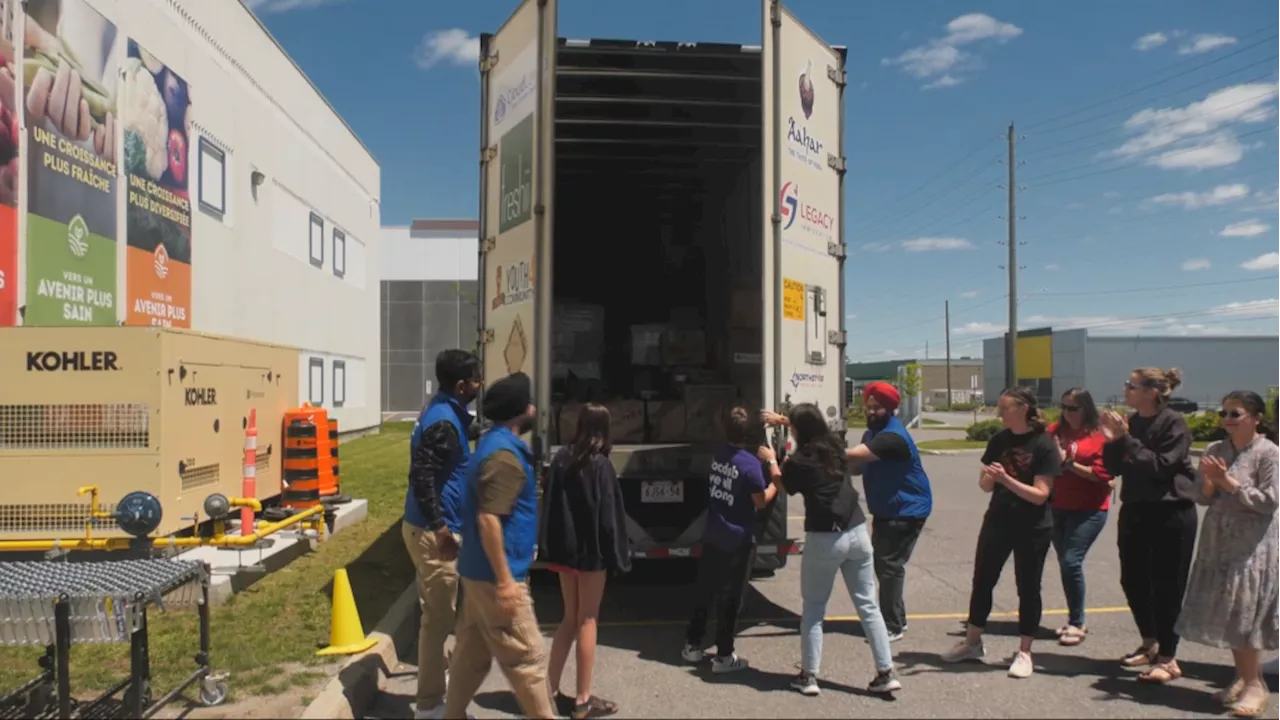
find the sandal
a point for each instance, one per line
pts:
(1062, 630)
(1229, 695)
(1162, 673)
(594, 707)
(1261, 699)
(1072, 636)
(1144, 655)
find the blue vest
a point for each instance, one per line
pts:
(442, 407)
(519, 529)
(897, 489)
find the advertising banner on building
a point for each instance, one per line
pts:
(155, 109)
(71, 64)
(9, 162)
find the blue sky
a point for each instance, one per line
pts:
(1146, 135)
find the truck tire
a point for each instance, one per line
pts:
(773, 531)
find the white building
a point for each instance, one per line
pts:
(429, 272)
(284, 199)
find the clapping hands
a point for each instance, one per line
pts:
(1214, 470)
(1114, 425)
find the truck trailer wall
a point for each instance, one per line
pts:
(284, 201)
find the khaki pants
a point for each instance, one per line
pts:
(484, 634)
(438, 598)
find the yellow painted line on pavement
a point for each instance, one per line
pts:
(744, 622)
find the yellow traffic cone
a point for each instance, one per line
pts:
(346, 634)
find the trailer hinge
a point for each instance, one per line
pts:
(487, 154)
(488, 63)
(775, 219)
(837, 338)
(836, 250)
(836, 162)
(489, 244)
(775, 13)
(540, 209)
(488, 336)
(837, 75)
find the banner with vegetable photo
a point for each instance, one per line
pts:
(155, 109)
(8, 163)
(71, 62)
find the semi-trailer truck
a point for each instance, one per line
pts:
(661, 232)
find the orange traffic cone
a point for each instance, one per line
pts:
(346, 634)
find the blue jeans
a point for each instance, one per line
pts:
(1073, 534)
(850, 553)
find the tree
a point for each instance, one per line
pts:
(909, 380)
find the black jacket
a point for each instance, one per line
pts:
(584, 525)
(1153, 460)
(830, 500)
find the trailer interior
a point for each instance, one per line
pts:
(658, 232)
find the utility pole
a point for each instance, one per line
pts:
(946, 313)
(1011, 343)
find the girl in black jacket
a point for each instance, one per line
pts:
(1150, 450)
(584, 537)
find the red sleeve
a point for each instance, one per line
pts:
(1093, 446)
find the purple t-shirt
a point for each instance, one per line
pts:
(735, 476)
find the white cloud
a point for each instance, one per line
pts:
(1220, 195)
(454, 46)
(1264, 200)
(969, 294)
(876, 247)
(1204, 43)
(1196, 264)
(1111, 194)
(1245, 228)
(941, 59)
(928, 244)
(1150, 41)
(1266, 261)
(980, 328)
(1052, 266)
(278, 6)
(1197, 135)
(1188, 323)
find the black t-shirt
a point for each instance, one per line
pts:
(1024, 457)
(830, 501)
(889, 446)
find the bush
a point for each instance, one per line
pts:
(983, 430)
(1204, 426)
(964, 406)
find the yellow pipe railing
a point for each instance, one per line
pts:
(307, 518)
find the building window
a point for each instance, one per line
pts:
(213, 178)
(339, 253)
(315, 382)
(317, 240)
(339, 383)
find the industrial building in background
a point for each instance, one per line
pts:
(1051, 361)
(206, 184)
(429, 291)
(965, 386)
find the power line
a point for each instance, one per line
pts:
(932, 178)
(877, 228)
(1124, 291)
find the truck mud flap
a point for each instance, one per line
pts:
(771, 531)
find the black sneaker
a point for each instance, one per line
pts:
(886, 682)
(805, 683)
(564, 704)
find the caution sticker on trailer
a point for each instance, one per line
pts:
(792, 299)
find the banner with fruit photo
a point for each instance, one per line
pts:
(155, 109)
(9, 144)
(70, 65)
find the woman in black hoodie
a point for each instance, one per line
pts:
(1150, 450)
(584, 537)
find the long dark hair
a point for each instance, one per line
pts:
(1256, 406)
(1087, 406)
(592, 436)
(813, 434)
(1027, 397)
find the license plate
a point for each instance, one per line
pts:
(661, 491)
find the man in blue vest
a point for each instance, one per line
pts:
(437, 472)
(499, 515)
(898, 497)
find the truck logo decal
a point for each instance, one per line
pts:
(806, 379)
(806, 90)
(802, 145)
(518, 288)
(73, 361)
(814, 220)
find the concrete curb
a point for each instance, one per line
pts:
(1195, 452)
(353, 691)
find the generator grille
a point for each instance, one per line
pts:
(200, 475)
(88, 426)
(52, 517)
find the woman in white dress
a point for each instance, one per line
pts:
(1232, 598)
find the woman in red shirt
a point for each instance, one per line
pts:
(1081, 498)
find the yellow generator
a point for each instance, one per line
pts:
(132, 408)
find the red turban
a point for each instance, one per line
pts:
(884, 393)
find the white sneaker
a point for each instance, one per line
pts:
(806, 684)
(733, 663)
(435, 713)
(692, 653)
(964, 651)
(1271, 668)
(1022, 667)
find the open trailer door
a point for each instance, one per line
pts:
(516, 98)
(804, 200)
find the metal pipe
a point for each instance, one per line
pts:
(119, 543)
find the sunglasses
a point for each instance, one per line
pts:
(1131, 385)
(1070, 408)
(1233, 414)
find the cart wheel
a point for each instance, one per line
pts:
(215, 696)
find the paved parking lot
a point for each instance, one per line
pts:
(638, 663)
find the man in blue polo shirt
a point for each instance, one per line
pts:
(437, 470)
(898, 497)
